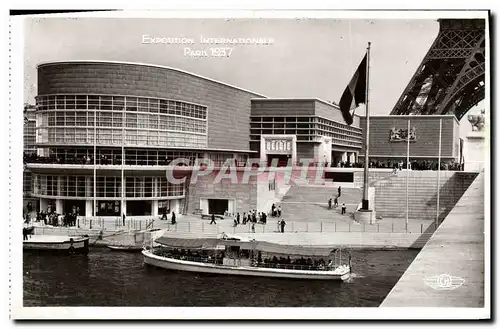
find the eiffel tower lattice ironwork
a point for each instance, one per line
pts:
(450, 79)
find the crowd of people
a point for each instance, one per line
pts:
(255, 217)
(195, 255)
(114, 160)
(414, 165)
(282, 262)
(53, 218)
(205, 256)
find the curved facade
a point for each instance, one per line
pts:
(143, 115)
(172, 93)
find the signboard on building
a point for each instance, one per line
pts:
(402, 135)
(279, 146)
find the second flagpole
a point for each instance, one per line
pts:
(365, 203)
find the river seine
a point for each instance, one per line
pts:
(110, 278)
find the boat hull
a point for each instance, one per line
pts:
(125, 248)
(181, 265)
(62, 245)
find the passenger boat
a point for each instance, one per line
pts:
(237, 256)
(65, 244)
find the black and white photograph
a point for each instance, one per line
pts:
(315, 164)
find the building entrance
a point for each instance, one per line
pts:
(218, 206)
(337, 157)
(282, 159)
(138, 208)
(74, 207)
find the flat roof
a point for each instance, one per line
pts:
(414, 116)
(295, 99)
(336, 106)
(144, 64)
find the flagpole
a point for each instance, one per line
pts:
(95, 155)
(407, 173)
(123, 163)
(365, 203)
(439, 173)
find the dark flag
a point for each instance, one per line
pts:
(354, 94)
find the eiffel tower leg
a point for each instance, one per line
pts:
(450, 79)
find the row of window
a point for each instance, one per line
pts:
(110, 119)
(289, 128)
(299, 122)
(107, 187)
(282, 119)
(119, 103)
(306, 135)
(115, 137)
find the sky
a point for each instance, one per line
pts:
(310, 58)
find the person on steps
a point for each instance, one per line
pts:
(283, 226)
(213, 220)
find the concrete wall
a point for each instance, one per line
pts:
(390, 195)
(228, 107)
(427, 130)
(374, 175)
(305, 151)
(332, 112)
(353, 240)
(245, 195)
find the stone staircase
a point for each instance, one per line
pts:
(390, 194)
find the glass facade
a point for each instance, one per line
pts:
(107, 187)
(78, 119)
(306, 128)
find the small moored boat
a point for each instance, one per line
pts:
(66, 244)
(237, 256)
(126, 248)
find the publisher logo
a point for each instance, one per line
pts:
(444, 282)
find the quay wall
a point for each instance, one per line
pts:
(106, 238)
(351, 240)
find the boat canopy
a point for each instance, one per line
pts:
(293, 250)
(207, 244)
(263, 246)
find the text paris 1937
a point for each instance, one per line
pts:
(208, 52)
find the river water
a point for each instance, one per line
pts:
(110, 278)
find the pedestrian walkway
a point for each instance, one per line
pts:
(196, 225)
(450, 270)
(310, 203)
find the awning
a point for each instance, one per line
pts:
(293, 250)
(188, 243)
(268, 247)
